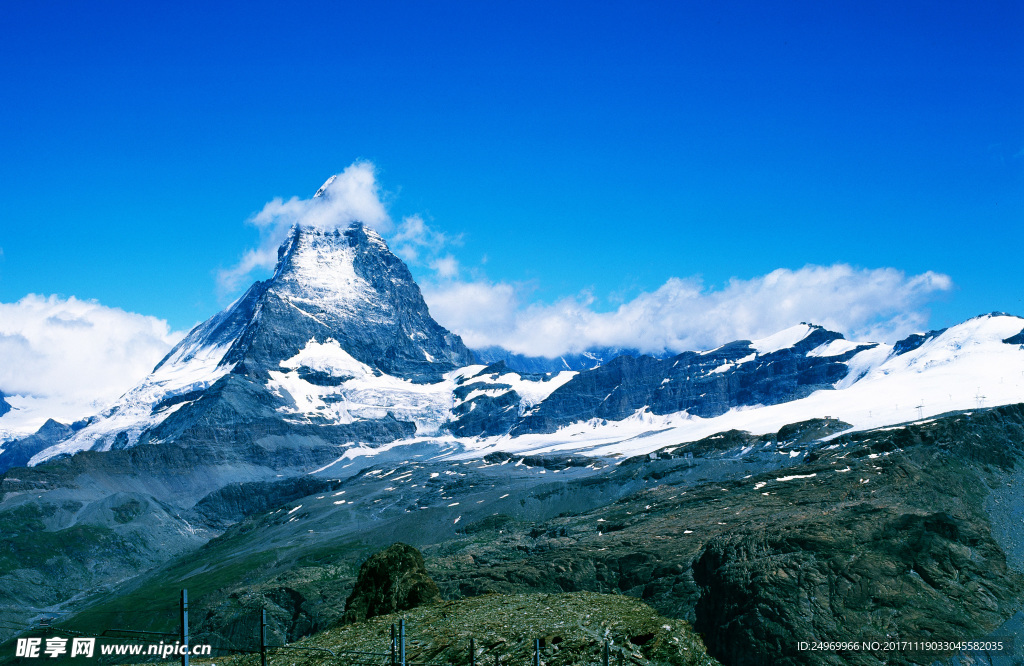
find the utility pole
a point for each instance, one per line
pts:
(263, 637)
(184, 628)
(401, 642)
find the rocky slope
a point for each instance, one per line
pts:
(758, 541)
(884, 534)
(572, 629)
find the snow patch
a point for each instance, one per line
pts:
(834, 348)
(797, 476)
(782, 340)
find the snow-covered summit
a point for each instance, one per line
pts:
(343, 286)
(783, 339)
(323, 188)
(318, 268)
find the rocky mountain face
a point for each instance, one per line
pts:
(613, 384)
(813, 370)
(702, 384)
(19, 452)
(347, 286)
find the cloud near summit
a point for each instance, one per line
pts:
(882, 304)
(682, 314)
(352, 195)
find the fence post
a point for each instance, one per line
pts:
(606, 654)
(263, 637)
(394, 645)
(184, 627)
(401, 641)
(472, 652)
(536, 652)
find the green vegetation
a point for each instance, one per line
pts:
(27, 544)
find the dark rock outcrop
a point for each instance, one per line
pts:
(915, 340)
(395, 579)
(703, 384)
(848, 577)
(1015, 339)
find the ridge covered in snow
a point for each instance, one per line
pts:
(965, 367)
(968, 366)
(340, 337)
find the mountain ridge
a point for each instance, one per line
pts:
(339, 346)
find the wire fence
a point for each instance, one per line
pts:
(248, 643)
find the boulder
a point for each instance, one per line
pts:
(394, 579)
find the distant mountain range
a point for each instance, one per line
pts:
(339, 345)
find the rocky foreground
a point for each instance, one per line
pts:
(910, 532)
(572, 630)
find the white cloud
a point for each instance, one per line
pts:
(414, 237)
(446, 267)
(77, 354)
(870, 304)
(351, 196)
(354, 195)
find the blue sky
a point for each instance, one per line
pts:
(580, 155)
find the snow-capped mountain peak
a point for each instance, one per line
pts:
(783, 339)
(318, 267)
(344, 287)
